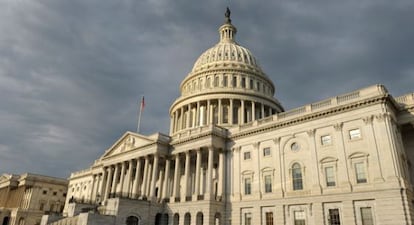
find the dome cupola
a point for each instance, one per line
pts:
(226, 87)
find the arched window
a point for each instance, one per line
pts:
(199, 219)
(132, 220)
(297, 181)
(176, 219)
(187, 219)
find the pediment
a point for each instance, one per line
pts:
(127, 142)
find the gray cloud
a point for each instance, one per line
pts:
(72, 72)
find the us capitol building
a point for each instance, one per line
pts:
(235, 156)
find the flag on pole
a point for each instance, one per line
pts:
(142, 106)
(142, 103)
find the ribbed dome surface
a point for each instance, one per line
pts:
(225, 52)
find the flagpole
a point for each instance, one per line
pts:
(140, 113)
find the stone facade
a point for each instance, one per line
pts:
(235, 156)
(25, 198)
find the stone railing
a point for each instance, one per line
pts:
(405, 100)
(198, 130)
(80, 172)
(365, 93)
(66, 221)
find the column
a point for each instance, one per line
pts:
(135, 188)
(263, 110)
(197, 119)
(197, 175)
(242, 112)
(127, 190)
(121, 181)
(115, 180)
(108, 182)
(186, 175)
(166, 179)
(253, 111)
(144, 179)
(220, 187)
(154, 177)
(231, 111)
(188, 124)
(220, 112)
(175, 121)
(209, 114)
(182, 118)
(172, 124)
(92, 193)
(176, 177)
(316, 184)
(209, 172)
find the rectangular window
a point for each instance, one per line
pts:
(44, 192)
(55, 193)
(269, 218)
(225, 81)
(360, 174)
(243, 82)
(268, 183)
(247, 219)
(234, 81)
(266, 151)
(247, 186)
(258, 85)
(42, 205)
(366, 216)
(334, 218)
(299, 217)
(354, 134)
(326, 140)
(246, 155)
(330, 176)
(251, 84)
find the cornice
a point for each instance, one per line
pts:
(310, 117)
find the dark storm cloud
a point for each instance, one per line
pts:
(72, 72)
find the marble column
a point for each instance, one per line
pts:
(115, 180)
(166, 180)
(136, 185)
(231, 111)
(253, 111)
(121, 180)
(242, 113)
(186, 176)
(220, 188)
(188, 124)
(177, 174)
(154, 177)
(145, 178)
(210, 173)
(127, 190)
(108, 182)
(220, 112)
(92, 196)
(197, 176)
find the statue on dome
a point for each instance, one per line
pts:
(227, 15)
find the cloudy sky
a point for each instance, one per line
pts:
(72, 72)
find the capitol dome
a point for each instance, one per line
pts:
(225, 87)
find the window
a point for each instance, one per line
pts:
(225, 114)
(234, 81)
(360, 174)
(297, 177)
(269, 218)
(41, 206)
(354, 134)
(64, 194)
(44, 192)
(333, 217)
(243, 82)
(55, 193)
(247, 186)
(216, 81)
(225, 81)
(326, 140)
(299, 218)
(268, 183)
(246, 155)
(266, 151)
(248, 219)
(330, 176)
(251, 84)
(366, 216)
(258, 85)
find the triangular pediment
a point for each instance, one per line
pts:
(127, 142)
